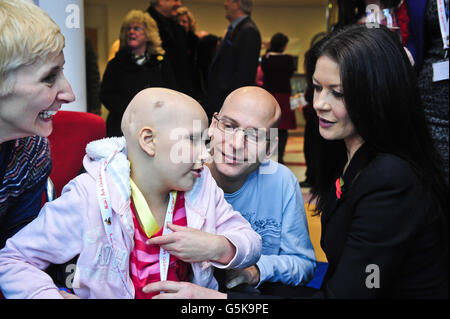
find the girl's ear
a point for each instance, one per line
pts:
(147, 141)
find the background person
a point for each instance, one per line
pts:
(236, 59)
(427, 46)
(140, 63)
(186, 19)
(174, 40)
(278, 68)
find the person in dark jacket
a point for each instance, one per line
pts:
(388, 189)
(186, 19)
(236, 59)
(139, 64)
(174, 41)
(384, 205)
(427, 46)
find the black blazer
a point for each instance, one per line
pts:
(234, 65)
(385, 219)
(174, 42)
(123, 79)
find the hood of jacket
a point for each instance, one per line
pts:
(113, 151)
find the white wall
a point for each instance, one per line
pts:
(68, 15)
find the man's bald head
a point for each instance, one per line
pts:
(257, 102)
(235, 156)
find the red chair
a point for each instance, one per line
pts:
(72, 131)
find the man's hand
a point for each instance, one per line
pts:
(182, 290)
(193, 245)
(249, 275)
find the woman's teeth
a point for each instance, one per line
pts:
(46, 115)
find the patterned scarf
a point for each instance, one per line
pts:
(26, 163)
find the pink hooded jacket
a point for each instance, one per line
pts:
(72, 225)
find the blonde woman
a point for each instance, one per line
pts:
(186, 19)
(140, 63)
(32, 90)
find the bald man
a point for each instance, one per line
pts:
(147, 209)
(266, 193)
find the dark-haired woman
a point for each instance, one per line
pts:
(383, 205)
(278, 69)
(383, 209)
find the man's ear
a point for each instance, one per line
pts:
(211, 126)
(147, 141)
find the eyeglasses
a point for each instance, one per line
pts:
(135, 28)
(251, 135)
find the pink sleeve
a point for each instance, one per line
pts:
(55, 236)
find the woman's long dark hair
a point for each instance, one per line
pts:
(327, 155)
(383, 102)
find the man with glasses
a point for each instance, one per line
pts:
(243, 138)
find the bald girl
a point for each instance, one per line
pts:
(158, 124)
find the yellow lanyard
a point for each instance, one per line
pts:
(148, 222)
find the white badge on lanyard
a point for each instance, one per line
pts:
(164, 256)
(440, 69)
(105, 208)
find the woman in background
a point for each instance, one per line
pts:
(278, 69)
(139, 64)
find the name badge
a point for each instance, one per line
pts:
(440, 71)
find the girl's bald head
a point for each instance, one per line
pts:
(159, 108)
